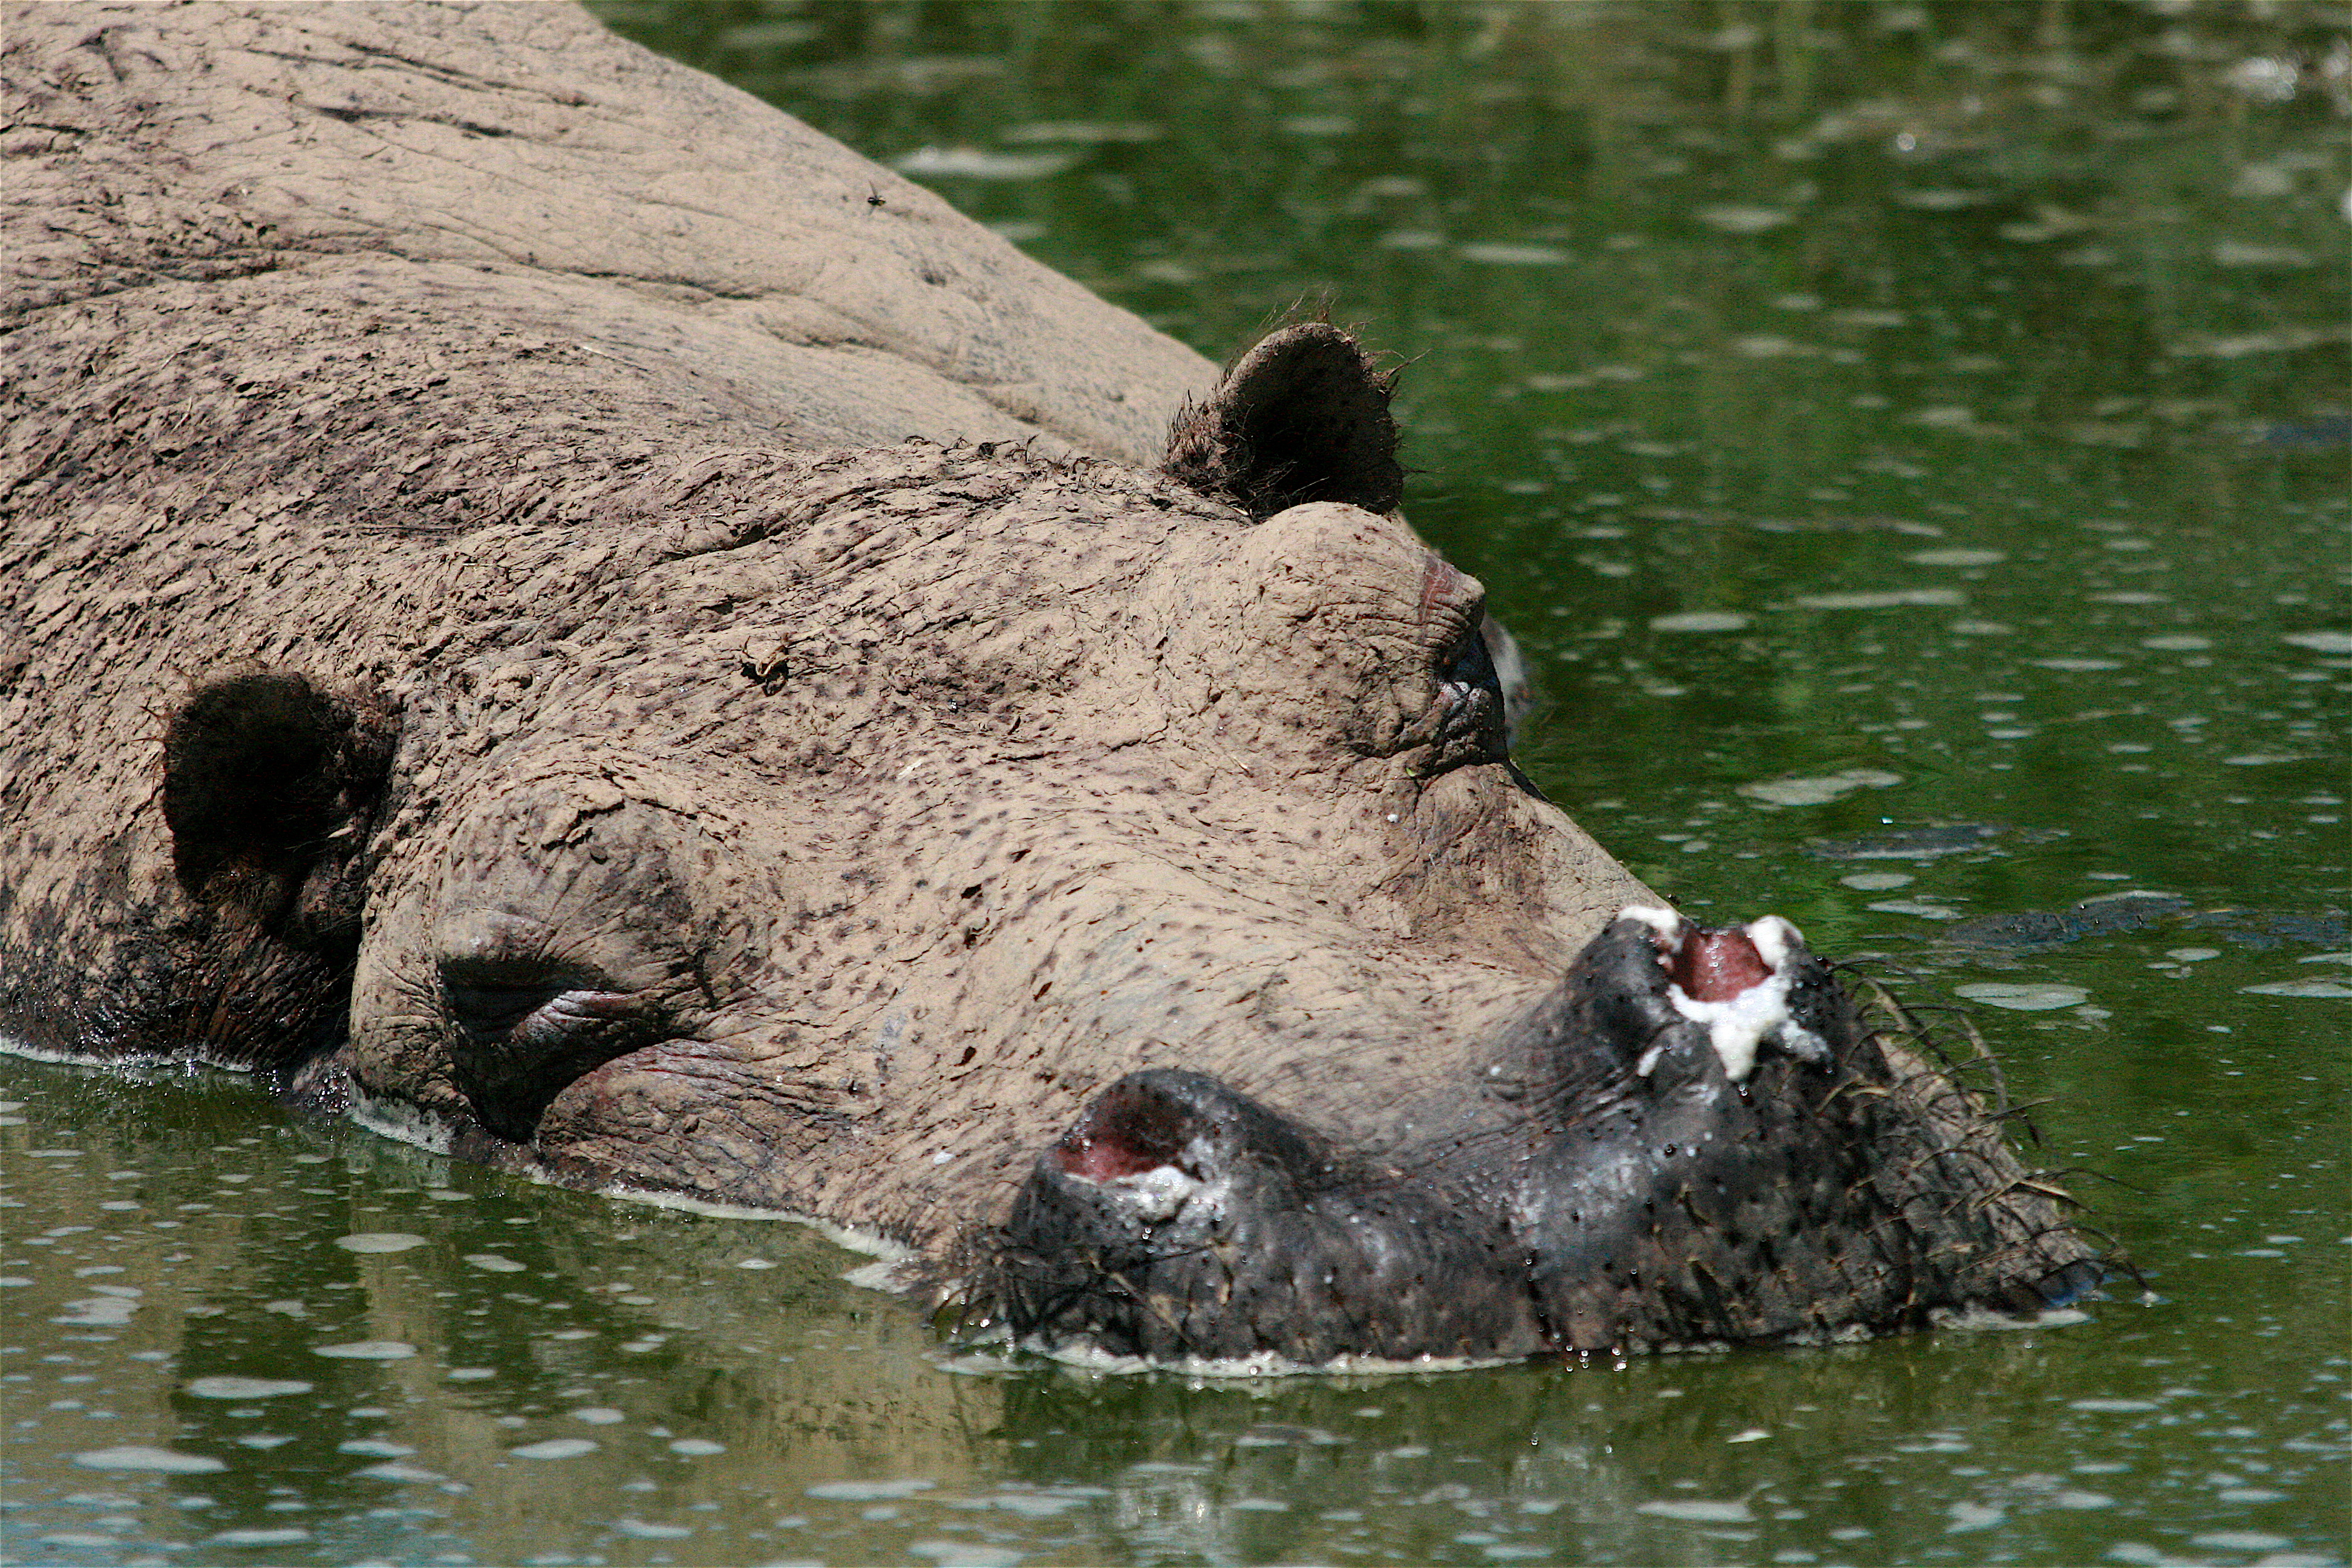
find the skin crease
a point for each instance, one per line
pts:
(729, 690)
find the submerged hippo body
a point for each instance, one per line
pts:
(519, 682)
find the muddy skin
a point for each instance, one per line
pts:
(746, 692)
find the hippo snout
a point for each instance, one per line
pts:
(1694, 1139)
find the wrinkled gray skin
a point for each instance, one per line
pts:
(539, 611)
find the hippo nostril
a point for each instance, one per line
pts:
(1127, 1131)
(1717, 965)
(1101, 1157)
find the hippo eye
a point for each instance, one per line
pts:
(530, 1000)
(504, 1006)
(1469, 724)
(527, 1028)
(1467, 665)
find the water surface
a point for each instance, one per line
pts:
(1910, 440)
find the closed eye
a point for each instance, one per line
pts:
(498, 982)
(492, 1009)
(1468, 666)
(1465, 723)
(533, 1009)
(526, 1027)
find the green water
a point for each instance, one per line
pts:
(1911, 443)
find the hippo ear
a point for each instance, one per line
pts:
(1302, 416)
(270, 783)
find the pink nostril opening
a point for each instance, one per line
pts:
(1098, 1159)
(1124, 1133)
(1717, 965)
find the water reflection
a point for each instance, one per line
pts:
(553, 1377)
(310, 1315)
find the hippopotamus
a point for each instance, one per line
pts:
(556, 612)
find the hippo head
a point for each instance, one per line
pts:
(1114, 888)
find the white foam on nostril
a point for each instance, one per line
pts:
(1154, 1195)
(1739, 1026)
(1775, 940)
(1163, 1192)
(1666, 922)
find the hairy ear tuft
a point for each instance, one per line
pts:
(1302, 416)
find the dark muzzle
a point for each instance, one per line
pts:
(1694, 1139)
